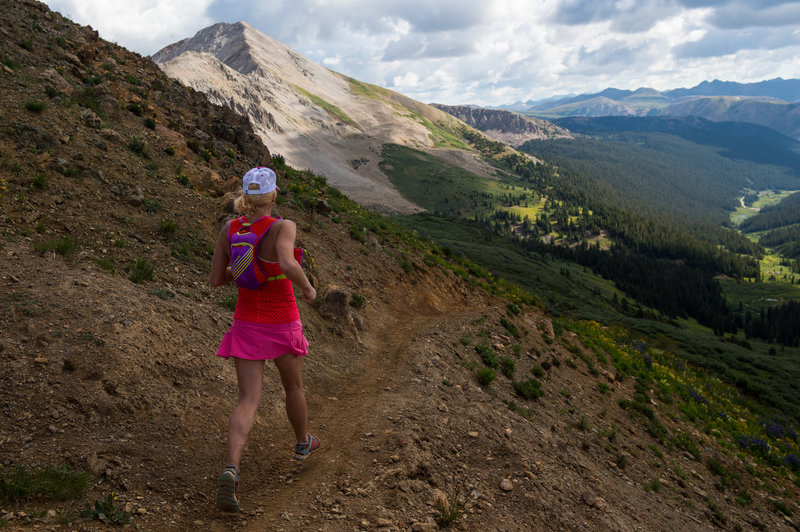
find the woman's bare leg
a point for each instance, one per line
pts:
(290, 368)
(249, 374)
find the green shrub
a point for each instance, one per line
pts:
(135, 108)
(153, 205)
(657, 452)
(35, 106)
(486, 376)
(510, 327)
(40, 181)
(104, 510)
(169, 229)
(521, 410)
(58, 484)
(357, 300)
(405, 265)
(88, 99)
(507, 366)
(716, 467)
(160, 293)
(206, 154)
(107, 263)
(716, 511)
(488, 356)
(655, 485)
(141, 270)
(278, 160)
(743, 497)
(529, 389)
(184, 180)
(10, 63)
(137, 145)
(781, 507)
(63, 246)
(609, 433)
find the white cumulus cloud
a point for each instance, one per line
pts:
(144, 26)
(489, 52)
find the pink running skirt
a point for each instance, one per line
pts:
(263, 341)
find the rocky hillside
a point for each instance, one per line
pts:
(114, 181)
(508, 127)
(312, 116)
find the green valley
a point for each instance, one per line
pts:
(588, 250)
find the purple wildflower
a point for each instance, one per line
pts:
(694, 394)
(778, 431)
(753, 444)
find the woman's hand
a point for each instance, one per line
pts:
(309, 294)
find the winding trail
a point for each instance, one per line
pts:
(277, 492)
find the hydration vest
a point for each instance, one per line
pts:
(244, 238)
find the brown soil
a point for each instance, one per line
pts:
(120, 378)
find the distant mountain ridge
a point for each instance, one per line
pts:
(772, 103)
(787, 90)
(314, 117)
(782, 117)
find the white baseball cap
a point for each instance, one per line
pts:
(260, 180)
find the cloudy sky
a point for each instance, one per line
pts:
(489, 52)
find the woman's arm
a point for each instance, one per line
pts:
(284, 248)
(220, 263)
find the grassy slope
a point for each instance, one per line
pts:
(579, 294)
(674, 177)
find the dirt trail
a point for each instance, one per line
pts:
(279, 493)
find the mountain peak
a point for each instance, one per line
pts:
(227, 42)
(314, 117)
